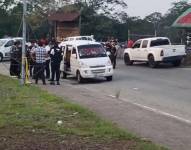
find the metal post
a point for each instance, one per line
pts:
(155, 28)
(24, 42)
(129, 35)
(155, 32)
(80, 20)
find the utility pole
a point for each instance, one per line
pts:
(155, 28)
(24, 42)
(80, 20)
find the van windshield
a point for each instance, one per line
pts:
(91, 51)
(159, 42)
(2, 42)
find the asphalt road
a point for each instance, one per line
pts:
(166, 90)
(153, 103)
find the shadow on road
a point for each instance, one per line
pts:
(160, 66)
(74, 81)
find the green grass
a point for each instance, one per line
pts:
(28, 107)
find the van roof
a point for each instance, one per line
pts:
(12, 38)
(153, 38)
(80, 36)
(78, 43)
(5, 39)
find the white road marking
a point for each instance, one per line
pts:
(156, 111)
(112, 96)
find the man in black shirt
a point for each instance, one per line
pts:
(16, 58)
(56, 58)
(113, 55)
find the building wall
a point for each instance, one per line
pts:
(66, 29)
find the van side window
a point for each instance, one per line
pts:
(144, 45)
(137, 44)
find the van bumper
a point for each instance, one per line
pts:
(172, 58)
(96, 72)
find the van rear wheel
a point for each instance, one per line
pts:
(177, 63)
(1, 57)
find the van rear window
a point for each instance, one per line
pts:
(159, 42)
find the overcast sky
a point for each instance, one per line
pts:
(143, 8)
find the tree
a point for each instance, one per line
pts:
(173, 13)
(155, 19)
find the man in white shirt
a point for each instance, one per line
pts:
(47, 66)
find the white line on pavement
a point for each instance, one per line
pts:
(156, 111)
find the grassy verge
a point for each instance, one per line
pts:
(30, 111)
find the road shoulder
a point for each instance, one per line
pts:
(158, 128)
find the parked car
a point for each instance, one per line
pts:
(5, 47)
(154, 51)
(85, 59)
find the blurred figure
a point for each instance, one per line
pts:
(130, 43)
(56, 58)
(31, 62)
(113, 54)
(47, 67)
(16, 58)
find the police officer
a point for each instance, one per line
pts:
(56, 58)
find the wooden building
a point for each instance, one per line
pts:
(64, 24)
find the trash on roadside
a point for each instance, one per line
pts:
(59, 122)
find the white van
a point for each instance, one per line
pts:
(79, 38)
(5, 47)
(85, 59)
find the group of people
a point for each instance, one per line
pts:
(41, 56)
(44, 59)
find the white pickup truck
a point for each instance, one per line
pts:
(154, 51)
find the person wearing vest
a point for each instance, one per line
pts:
(56, 58)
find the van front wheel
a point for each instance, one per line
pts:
(64, 75)
(79, 77)
(151, 62)
(127, 60)
(109, 78)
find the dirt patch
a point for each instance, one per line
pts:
(15, 139)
